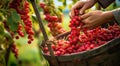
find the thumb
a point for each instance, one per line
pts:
(82, 10)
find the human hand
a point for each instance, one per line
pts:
(82, 5)
(96, 18)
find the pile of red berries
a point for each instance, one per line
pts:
(59, 48)
(24, 13)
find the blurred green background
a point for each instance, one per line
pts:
(30, 55)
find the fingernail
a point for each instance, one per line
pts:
(80, 12)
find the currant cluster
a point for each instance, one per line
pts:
(51, 18)
(75, 25)
(14, 50)
(45, 8)
(23, 10)
(54, 23)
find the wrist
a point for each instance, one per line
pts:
(108, 15)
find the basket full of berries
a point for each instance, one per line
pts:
(80, 47)
(95, 50)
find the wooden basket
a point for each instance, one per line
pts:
(105, 55)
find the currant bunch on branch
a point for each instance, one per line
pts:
(22, 8)
(54, 21)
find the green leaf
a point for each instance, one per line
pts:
(15, 16)
(64, 2)
(74, 1)
(13, 20)
(61, 8)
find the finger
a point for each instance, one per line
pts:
(70, 15)
(89, 20)
(76, 6)
(85, 16)
(72, 12)
(85, 21)
(85, 26)
(82, 10)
